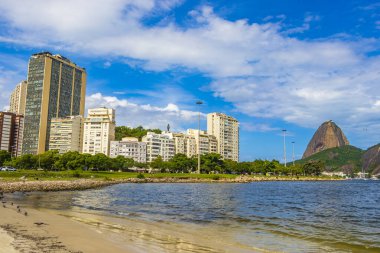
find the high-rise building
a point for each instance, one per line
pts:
(129, 147)
(56, 88)
(207, 143)
(18, 99)
(99, 131)
(226, 130)
(66, 134)
(159, 145)
(11, 130)
(185, 144)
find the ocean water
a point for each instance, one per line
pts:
(337, 216)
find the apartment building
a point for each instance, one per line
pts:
(185, 144)
(207, 143)
(129, 147)
(56, 88)
(18, 99)
(66, 134)
(226, 130)
(11, 132)
(99, 131)
(159, 145)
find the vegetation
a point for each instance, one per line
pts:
(4, 156)
(77, 165)
(347, 158)
(138, 132)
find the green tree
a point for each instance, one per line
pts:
(158, 163)
(211, 163)
(230, 166)
(181, 163)
(313, 167)
(5, 156)
(99, 162)
(138, 132)
(27, 162)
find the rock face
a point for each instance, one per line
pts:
(328, 135)
(371, 160)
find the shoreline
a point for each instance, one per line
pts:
(85, 184)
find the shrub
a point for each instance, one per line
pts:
(140, 176)
(76, 174)
(216, 177)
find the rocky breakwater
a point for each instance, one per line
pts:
(29, 186)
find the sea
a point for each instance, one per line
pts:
(321, 216)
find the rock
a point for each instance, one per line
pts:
(328, 135)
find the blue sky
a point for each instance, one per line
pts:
(271, 64)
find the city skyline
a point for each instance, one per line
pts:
(156, 76)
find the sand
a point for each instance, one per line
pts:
(43, 231)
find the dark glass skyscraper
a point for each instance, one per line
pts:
(56, 88)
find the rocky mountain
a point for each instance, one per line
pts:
(371, 160)
(328, 135)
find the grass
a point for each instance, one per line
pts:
(33, 175)
(101, 175)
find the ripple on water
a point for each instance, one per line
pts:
(314, 216)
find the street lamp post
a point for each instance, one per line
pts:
(293, 151)
(199, 103)
(284, 132)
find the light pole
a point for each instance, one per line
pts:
(293, 151)
(199, 103)
(284, 131)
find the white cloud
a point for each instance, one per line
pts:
(258, 127)
(132, 114)
(257, 67)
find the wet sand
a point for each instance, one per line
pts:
(28, 230)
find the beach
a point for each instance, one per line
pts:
(31, 230)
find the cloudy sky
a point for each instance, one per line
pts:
(271, 64)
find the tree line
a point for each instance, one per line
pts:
(180, 163)
(138, 132)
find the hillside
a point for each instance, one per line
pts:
(371, 160)
(138, 132)
(346, 158)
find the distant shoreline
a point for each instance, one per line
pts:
(84, 184)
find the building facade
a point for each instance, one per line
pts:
(129, 147)
(11, 132)
(207, 143)
(185, 144)
(226, 130)
(66, 134)
(56, 88)
(159, 145)
(99, 131)
(18, 99)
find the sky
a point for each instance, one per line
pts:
(271, 64)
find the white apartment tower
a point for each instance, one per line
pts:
(207, 143)
(129, 147)
(99, 131)
(159, 145)
(185, 144)
(18, 99)
(66, 134)
(226, 130)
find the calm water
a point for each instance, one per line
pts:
(339, 216)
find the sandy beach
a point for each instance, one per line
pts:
(31, 230)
